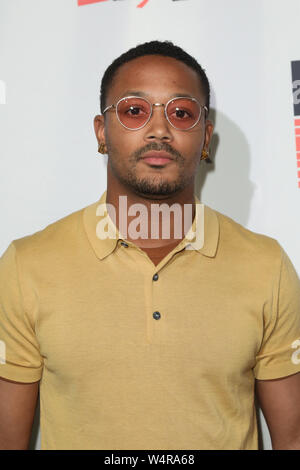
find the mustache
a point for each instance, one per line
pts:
(159, 147)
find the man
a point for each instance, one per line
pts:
(156, 342)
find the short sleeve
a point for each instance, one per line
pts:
(20, 359)
(279, 355)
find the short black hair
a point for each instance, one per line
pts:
(163, 48)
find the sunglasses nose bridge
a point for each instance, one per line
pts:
(159, 105)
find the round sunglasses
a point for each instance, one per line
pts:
(133, 112)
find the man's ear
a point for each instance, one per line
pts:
(209, 128)
(99, 128)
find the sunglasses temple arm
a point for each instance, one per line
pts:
(108, 107)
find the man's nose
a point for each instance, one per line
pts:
(158, 127)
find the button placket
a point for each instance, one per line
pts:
(157, 318)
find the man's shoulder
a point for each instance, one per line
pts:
(240, 240)
(60, 235)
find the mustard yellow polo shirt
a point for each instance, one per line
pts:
(136, 356)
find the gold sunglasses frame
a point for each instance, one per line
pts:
(115, 106)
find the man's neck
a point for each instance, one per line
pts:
(137, 213)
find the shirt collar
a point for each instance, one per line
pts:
(204, 242)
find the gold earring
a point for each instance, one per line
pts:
(204, 155)
(102, 148)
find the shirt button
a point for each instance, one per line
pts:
(124, 244)
(155, 277)
(156, 315)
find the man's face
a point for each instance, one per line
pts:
(159, 79)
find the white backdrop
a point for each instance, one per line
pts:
(52, 57)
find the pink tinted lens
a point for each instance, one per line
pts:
(133, 112)
(183, 113)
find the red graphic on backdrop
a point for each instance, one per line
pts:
(297, 137)
(87, 2)
(142, 4)
(296, 99)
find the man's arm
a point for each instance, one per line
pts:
(279, 400)
(17, 408)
